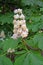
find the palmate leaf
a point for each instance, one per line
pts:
(36, 23)
(34, 27)
(36, 41)
(35, 19)
(6, 18)
(31, 43)
(32, 2)
(40, 3)
(5, 61)
(27, 2)
(41, 25)
(29, 58)
(28, 13)
(10, 43)
(41, 44)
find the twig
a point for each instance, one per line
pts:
(29, 47)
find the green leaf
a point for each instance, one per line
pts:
(35, 28)
(20, 52)
(41, 9)
(38, 39)
(41, 43)
(35, 19)
(42, 18)
(30, 42)
(35, 24)
(35, 60)
(1, 44)
(6, 18)
(32, 2)
(41, 25)
(20, 60)
(29, 58)
(5, 61)
(10, 43)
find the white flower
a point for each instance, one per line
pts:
(14, 31)
(19, 31)
(22, 16)
(15, 11)
(14, 36)
(40, 31)
(10, 50)
(14, 21)
(13, 50)
(24, 34)
(24, 21)
(26, 30)
(20, 11)
(15, 26)
(16, 16)
(2, 34)
(19, 22)
(23, 27)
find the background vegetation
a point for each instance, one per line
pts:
(31, 51)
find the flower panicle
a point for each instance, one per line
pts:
(20, 29)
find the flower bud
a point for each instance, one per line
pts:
(22, 16)
(20, 11)
(19, 31)
(15, 11)
(24, 34)
(16, 16)
(23, 27)
(14, 36)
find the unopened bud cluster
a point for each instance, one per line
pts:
(20, 29)
(2, 35)
(10, 50)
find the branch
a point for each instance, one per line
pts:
(29, 47)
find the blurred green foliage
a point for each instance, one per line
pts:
(33, 11)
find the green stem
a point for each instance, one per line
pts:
(24, 44)
(29, 47)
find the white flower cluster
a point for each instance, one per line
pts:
(2, 35)
(10, 50)
(20, 29)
